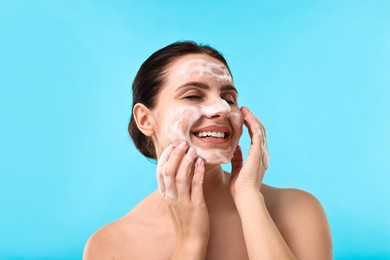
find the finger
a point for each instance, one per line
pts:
(263, 131)
(170, 169)
(264, 144)
(259, 139)
(266, 157)
(184, 176)
(254, 128)
(197, 182)
(159, 172)
(237, 161)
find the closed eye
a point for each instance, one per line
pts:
(193, 97)
(229, 98)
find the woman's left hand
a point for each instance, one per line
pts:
(248, 177)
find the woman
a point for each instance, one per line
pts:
(186, 115)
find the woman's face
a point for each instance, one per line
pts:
(198, 104)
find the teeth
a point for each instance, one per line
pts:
(211, 134)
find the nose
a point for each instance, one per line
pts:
(217, 108)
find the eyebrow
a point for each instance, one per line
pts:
(202, 85)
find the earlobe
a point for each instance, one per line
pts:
(143, 119)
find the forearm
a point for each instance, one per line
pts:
(262, 238)
(190, 250)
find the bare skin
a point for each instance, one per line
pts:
(147, 231)
(201, 212)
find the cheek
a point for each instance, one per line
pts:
(237, 121)
(179, 123)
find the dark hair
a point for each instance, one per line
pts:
(151, 76)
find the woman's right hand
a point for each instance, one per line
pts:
(180, 181)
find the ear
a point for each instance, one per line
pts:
(143, 118)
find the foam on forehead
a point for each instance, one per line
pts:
(204, 68)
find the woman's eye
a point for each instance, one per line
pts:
(193, 97)
(230, 100)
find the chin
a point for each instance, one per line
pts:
(214, 156)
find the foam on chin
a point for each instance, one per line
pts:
(180, 121)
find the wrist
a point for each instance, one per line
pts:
(247, 198)
(192, 241)
(192, 244)
(193, 248)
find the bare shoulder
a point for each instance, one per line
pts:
(97, 246)
(301, 220)
(115, 240)
(106, 242)
(143, 233)
(289, 199)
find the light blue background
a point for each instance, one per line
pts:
(317, 73)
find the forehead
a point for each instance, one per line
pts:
(198, 66)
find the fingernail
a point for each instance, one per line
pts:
(199, 161)
(183, 144)
(191, 151)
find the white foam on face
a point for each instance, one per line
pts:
(217, 107)
(204, 68)
(180, 122)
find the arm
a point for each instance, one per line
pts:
(262, 236)
(180, 183)
(302, 222)
(181, 186)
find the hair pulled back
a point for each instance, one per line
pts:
(151, 77)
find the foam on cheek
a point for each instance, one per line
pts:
(237, 120)
(204, 68)
(179, 123)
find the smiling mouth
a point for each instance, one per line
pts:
(208, 134)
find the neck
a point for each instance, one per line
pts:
(216, 188)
